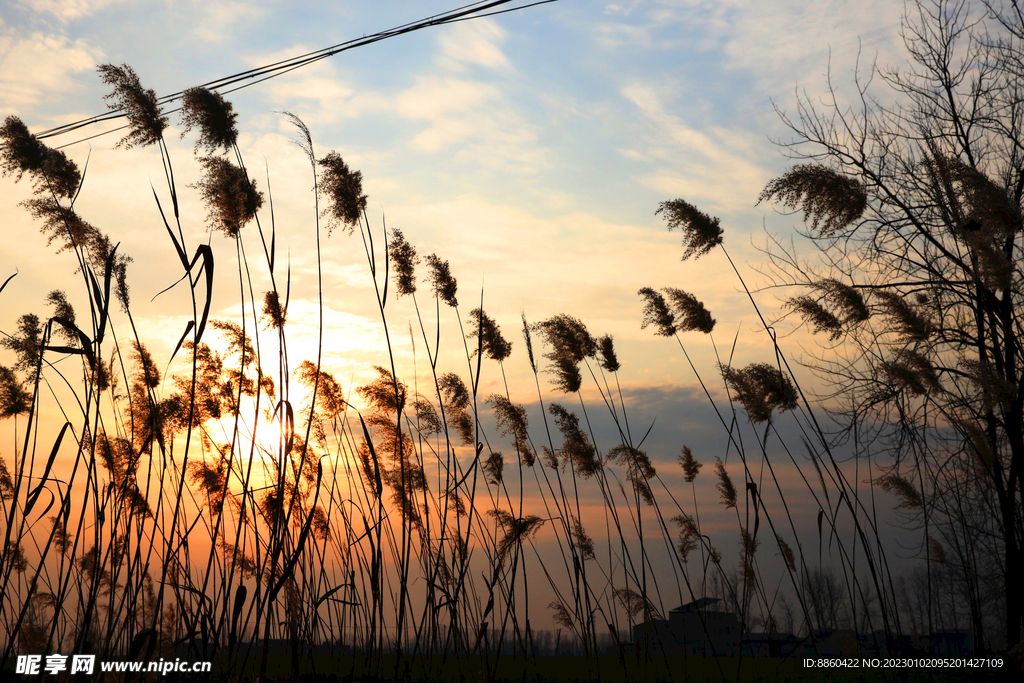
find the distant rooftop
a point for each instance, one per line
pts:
(699, 604)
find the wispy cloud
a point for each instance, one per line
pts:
(67, 10)
(39, 65)
(711, 164)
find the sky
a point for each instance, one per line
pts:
(529, 149)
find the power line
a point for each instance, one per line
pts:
(245, 79)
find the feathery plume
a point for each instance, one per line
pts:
(26, 343)
(146, 372)
(145, 123)
(343, 189)
(847, 299)
(690, 313)
(748, 546)
(494, 345)
(817, 316)
(230, 196)
(529, 343)
(274, 314)
(441, 281)
(511, 419)
(689, 535)
(516, 529)
(690, 465)
(638, 469)
(456, 401)
(576, 447)
(562, 617)
(606, 354)
(15, 398)
(895, 484)
(330, 399)
(911, 324)
(50, 169)
(381, 393)
(725, 486)
(635, 603)
(404, 260)
(657, 313)
(426, 416)
(829, 199)
(787, 553)
(62, 309)
(701, 232)
(494, 467)
(570, 343)
(212, 115)
(911, 371)
(760, 388)
(584, 543)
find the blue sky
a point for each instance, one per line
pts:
(530, 149)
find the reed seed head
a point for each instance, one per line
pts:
(343, 189)
(760, 388)
(483, 326)
(584, 543)
(725, 486)
(912, 372)
(528, 338)
(690, 313)
(657, 313)
(606, 354)
(576, 447)
(701, 232)
(787, 553)
(213, 116)
(230, 196)
(817, 316)
(15, 398)
(689, 535)
(512, 421)
(898, 486)
(381, 392)
(441, 281)
(26, 344)
(51, 171)
(146, 124)
(426, 416)
(638, 469)
(63, 311)
(847, 299)
(690, 465)
(570, 344)
(907, 320)
(404, 261)
(494, 467)
(830, 200)
(274, 314)
(330, 399)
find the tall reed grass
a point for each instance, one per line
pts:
(370, 531)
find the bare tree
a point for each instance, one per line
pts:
(915, 209)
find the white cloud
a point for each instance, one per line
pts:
(714, 164)
(777, 43)
(319, 93)
(473, 42)
(477, 117)
(217, 22)
(66, 10)
(38, 65)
